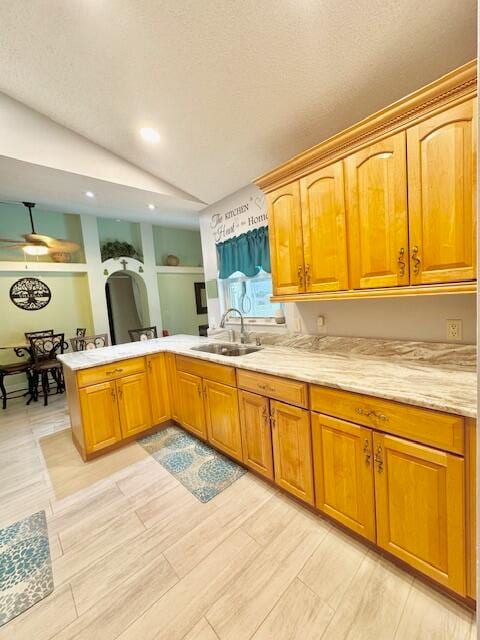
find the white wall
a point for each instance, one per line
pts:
(416, 318)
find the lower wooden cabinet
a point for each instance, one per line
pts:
(420, 506)
(256, 432)
(292, 449)
(190, 409)
(223, 423)
(171, 372)
(99, 410)
(158, 388)
(133, 404)
(343, 464)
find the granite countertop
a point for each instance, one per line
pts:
(432, 375)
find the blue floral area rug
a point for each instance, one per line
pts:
(201, 469)
(25, 565)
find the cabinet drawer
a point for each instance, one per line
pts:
(441, 430)
(110, 371)
(209, 370)
(289, 391)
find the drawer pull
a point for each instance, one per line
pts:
(379, 459)
(368, 413)
(364, 412)
(367, 452)
(266, 387)
(112, 371)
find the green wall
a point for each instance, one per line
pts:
(15, 221)
(109, 230)
(183, 243)
(177, 302)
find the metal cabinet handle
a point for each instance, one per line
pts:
(300, 274)
(401, 262)
(379, 459)
(416, 261)
(307, 273)
(367, 452)
(273, 419)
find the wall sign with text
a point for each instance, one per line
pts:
(248, 215)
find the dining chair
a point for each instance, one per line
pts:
(38, 334)
(89, 342)
(44, 361)
(13, 369)
(139, 335)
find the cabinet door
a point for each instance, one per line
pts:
(442, 193)
(286, 242)
(171, 370)
(101, 424)
(223, 423)
(158, 387)
(190, 407)
(134, 404)
(292, 449)
(343, 469)
(420, 504)
(377, 215)
(256, 432)
(324, 235)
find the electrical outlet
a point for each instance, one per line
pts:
(454, 329)
(321, 324)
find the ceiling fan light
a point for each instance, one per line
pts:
(36, 250)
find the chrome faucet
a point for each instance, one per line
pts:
(243, 333)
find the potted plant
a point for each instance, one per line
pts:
(116, 249)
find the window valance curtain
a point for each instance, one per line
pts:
(247, 253)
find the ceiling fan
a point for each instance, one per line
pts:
(36, 244)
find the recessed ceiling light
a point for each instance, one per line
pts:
(151, 207)
(149, 134)
(89, 194)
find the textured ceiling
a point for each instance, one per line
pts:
(233, 87)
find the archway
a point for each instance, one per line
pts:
(127, 300)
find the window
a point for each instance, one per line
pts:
(250, 295)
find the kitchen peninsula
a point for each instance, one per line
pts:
(368, 432)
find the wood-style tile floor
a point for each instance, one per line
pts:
(137, 557)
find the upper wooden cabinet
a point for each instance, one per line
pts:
(390, 202)
(442, 194)
(286, 241)
(324, 233)
(377, 214)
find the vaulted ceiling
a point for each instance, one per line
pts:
(233, 87)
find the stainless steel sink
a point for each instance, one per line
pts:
(223, 349)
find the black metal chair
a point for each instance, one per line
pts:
(85, 343)
(138, 335)
(44, 361)
(38, 334)
(80, 333)
(13, 369)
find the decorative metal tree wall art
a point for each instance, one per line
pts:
(30, 294)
